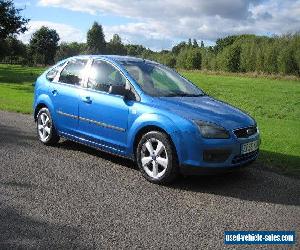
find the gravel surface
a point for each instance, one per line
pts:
(72, 196)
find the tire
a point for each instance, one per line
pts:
(156, 158)
(45, 128)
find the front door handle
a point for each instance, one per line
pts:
(54, 92)
(86, 99)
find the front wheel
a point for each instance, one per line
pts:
(45, 128)
(156, 158)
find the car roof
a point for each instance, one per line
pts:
(123, 58)
(115, 58)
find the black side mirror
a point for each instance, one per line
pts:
(119, 90)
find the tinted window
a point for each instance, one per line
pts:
(74, 71)
(53, 72)
(103, 75)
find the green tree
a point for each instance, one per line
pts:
(221, 43)
(170, 60)
(229, 58)
(134, 50)
(248, 56)
(181, 59)
(195, 44)
(289, 54)
(189, 59)
(202, 44)
(195, 58)
(295, 43)
(66, 50)
(11, 21)
(260, 59)
(15, 49)
(147, 53)
(177, 48)
(165, 58)
(115, 46)
(270, 57)
(43, 45)
(286, 61)
(96, 40)
(3, 48)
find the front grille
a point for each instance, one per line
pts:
(245, 132)
(245, 157)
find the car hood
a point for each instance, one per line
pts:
(206, 108)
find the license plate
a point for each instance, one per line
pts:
(249, 147)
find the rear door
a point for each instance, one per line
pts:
(65, 90)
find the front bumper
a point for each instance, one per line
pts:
(193, 148)
(204, 170)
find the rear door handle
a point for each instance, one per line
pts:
(86, 99)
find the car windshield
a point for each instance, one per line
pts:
(158, 80)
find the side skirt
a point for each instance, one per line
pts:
(98, 146)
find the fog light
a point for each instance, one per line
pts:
(216, 155)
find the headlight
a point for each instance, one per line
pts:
(212, 131)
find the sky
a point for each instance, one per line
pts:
(160, 24)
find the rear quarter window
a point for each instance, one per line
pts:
(53, 72)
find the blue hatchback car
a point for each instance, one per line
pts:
(145, 111)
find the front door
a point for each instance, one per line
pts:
(103, 117)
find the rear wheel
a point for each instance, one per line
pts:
(156, 158)
(45, 128)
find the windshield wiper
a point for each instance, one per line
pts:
(191, 95)
(185, 95)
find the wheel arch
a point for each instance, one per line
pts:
(38, 108)
(43, 101)
(148, 128)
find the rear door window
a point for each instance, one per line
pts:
(73, 73)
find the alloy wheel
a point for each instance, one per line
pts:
(154, 158)
(44, 126)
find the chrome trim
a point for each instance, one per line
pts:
(68, 115)
(244, 127)
(101, 124)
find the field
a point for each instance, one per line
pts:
(16, 90)
(275, 104)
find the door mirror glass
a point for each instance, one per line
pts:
(117, 90)
(122, 91)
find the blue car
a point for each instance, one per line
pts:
(145, 111)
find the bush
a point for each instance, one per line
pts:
(189, 58)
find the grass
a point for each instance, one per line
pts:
(275, 104)
(16, 90)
